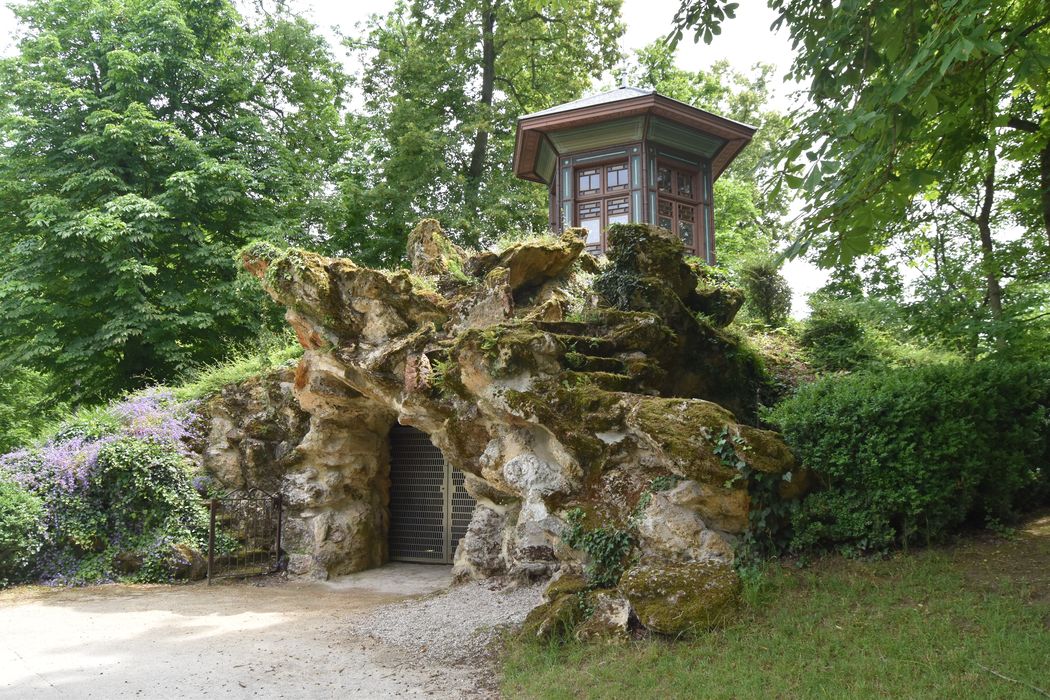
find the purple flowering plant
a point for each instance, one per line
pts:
(113, 481)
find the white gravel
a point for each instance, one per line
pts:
(455, 626)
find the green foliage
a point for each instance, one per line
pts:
(854, 334)
(26, 406)
(766, 290)
(244, 362)
(445, 81)
(906, 101)
(607, 549)
(836, 338)
(912, 455)
(926, 136)
(21, 532)
(141, 144)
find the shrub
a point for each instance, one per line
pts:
(767, 292)
(835, 337)
(116, 493)
(911, 455)
(21, 531)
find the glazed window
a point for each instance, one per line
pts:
(589, 181)
(678, 207)
(601, 200)
(616, 178)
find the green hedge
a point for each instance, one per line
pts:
(912, 454)
(21, 532)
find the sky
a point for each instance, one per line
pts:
(745, 40)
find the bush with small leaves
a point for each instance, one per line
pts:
(911, 455)
(21, 532)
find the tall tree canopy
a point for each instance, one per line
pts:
(141, 143)
(927, 130)
(444, 82)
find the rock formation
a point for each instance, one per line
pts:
(558, 383)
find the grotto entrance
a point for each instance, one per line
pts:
(429, 507)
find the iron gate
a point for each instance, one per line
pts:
(244, 535)
(429, 506)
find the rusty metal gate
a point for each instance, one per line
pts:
(429, 507)
(244, 536)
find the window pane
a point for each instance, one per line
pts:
(590, 215)
(664, 214)
(619, 207)
(685, 230)
(616, 178)
(685, 184)
(594, 231)
(589, 181)
(686, 220)
(663, 179)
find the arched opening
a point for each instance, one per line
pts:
(429, 507)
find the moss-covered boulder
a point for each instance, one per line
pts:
(556, 619)
(607, 618)
(682, 599)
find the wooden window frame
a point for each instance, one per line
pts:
(697, 201)
(604, 195)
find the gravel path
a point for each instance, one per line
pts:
(392, 632)
(455, 626)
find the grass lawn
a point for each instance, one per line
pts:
(938, 623)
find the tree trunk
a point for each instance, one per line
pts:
(488, 79)
(991, 270)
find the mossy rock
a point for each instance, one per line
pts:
(533, 262)
(682, 599)
(718, 304)
(647, 251)
(565, 584)
(608, 620)
(678, 427)
(714, 296)
(769, 453)
(554, 620)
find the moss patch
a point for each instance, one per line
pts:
(682, 599)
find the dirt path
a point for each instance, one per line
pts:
(231, 640)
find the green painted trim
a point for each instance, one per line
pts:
(546, 162)
(595, 136)
(677, 136)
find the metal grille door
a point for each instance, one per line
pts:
(429, 508)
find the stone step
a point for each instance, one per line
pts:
(587, 345)
(593, 363)
(609, 381)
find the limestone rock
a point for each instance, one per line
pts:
(713, 296)
(480, 551)
(430, 252)
(566, 581)
(531, 263)
(682, 599)
(554, 620)
(723, 509)
(609, 619)
(675, 532)
(552, 381)
(252, 430)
